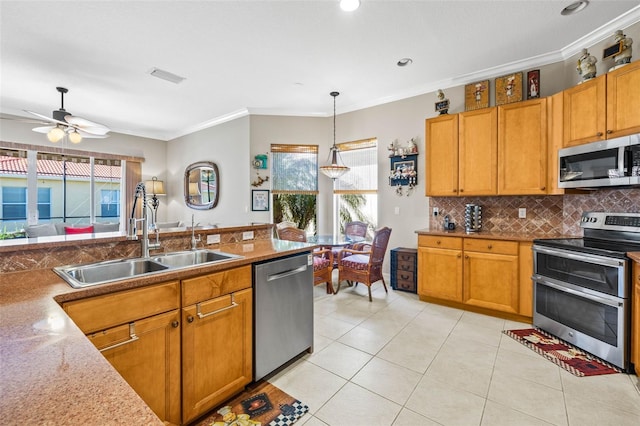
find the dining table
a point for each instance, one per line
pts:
(335, 243)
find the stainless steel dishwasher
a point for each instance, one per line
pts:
(283, 311)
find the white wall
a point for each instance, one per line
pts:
(227, 145)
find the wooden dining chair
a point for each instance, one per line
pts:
(322, 258)
(355, 229)
(363, 262)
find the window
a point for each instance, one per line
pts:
(356, 192)
(14, 203)
(44, 203)
(295, 184)
(110, 203)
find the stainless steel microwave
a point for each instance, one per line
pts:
(614, 162)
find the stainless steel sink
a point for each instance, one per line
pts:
(79, 276)
(184, 259)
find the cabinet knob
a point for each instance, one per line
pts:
(461, 190)
(175, 324)
(542, 188)
(490, 246)
(466, 256)
(438, 242)
(609, 132)
(459, 256)
(190, 319)
(599, 134)
(455, 190)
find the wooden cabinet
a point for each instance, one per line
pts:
(441, 135)
(217, 340)
(491, 274)
(440, 267)
(478, 152)
(635, 323)
(138, 332)
(522, 148)
(462, 154)
(603, 108)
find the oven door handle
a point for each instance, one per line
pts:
(582, 257)
(604, 301)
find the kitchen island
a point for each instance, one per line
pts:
(50, 373)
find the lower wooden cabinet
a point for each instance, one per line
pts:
(635, 317)
(217, 351)
(493, 275)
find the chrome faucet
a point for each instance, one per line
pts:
(194, 241)
(132, 232)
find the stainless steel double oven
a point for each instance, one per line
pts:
(582, 286)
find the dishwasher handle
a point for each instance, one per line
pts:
(288, 273)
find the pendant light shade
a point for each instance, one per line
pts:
(334, 170)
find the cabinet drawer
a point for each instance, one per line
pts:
(210, 286)
(109, 310)
(440, 242)
(491, 246)
(405, 276)
(406, 256)
(406, 265)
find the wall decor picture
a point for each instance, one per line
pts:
(509, 88)
(476, 95)
(533, 84)
(260, 200)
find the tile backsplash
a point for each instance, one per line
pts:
(546, 215)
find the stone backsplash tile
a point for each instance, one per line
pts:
(548, 215)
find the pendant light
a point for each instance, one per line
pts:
(334, 170)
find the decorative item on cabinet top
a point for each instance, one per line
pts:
(509, 88)
(410, 148)
(476, 95)
(442, 106)
(533, 84)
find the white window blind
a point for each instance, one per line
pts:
(294, 169)
(362, 159)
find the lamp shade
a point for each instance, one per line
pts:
(155, 186)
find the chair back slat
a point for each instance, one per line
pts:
(379, 245)
(292, 234)
(356, 229)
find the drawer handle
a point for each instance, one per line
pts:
(405, 277)
(609, 132)
(599, 134)
(405, 267)
(132, 338)
(201, 315)
(438, 242)
(490, 246)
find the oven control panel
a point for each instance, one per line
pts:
(611, 221)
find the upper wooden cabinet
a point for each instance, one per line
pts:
(478, 152)
(603, 108)
(442, 155)
(462, 154)
(522, 148)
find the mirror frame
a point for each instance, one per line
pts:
(188, 199)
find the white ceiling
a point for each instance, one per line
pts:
(269, 57)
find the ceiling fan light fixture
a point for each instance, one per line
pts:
(349, 5)
(75, 137)
(55, 134)
(334, 170)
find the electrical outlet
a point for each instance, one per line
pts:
(436, 211)
(248, 235)
(213, 239)
(522, 213)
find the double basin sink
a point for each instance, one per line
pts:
(80, 276)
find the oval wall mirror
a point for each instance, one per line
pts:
(201, 185)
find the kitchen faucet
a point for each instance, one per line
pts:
(132, 232)
(194, 241)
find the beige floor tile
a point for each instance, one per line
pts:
(331, 327)
(461, 373)
(477, 333)
(471, 351)
(313, 421)
(406, 351)
(353, 405)
(409, 418)
(499, 415)
(340, 359)
(445, 404)
(510, 344)
(528, 397)
(614, 390)
(483, 320)
(351, 313)
(538, 370)
(310, 384)
(388, 380)
(587, 412)
(367, 340)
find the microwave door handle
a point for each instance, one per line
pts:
(597, 299)
(627, 166)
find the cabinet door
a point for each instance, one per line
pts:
(522, 148)
(623, 101)
(555, 110)
(478, 152)
(441, 135)
(217, 351)
(491, 281)
(525, 260)
(146, 353)
(440, 273)
(585, 112)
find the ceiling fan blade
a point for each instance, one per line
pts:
(24, 120)
(87, 125)
(44, 129)
(47, 119)
(87, 135)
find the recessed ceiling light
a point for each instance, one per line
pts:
(166, 75)
(349, 5)
(574, 7)
(404, 62)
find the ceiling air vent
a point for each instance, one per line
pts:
(166, 75)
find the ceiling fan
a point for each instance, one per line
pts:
(62, 122)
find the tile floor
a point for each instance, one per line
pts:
(399, 361)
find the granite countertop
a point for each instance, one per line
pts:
(493, 235)
(49, 371)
